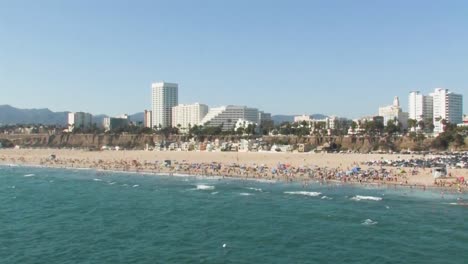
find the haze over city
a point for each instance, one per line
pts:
(308, 57)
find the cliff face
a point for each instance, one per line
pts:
(82, 140)
(359, 144)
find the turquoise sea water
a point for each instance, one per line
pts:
(83, 216)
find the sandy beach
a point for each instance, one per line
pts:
(300, 167)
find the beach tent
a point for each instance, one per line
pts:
(438, 172)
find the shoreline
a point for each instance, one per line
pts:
(278, 167)
(446, 190)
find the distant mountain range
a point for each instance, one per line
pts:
(12, 115)
(278, 119)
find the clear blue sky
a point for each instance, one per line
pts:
(285, 57)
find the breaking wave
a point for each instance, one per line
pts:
(205, 187)
(369, 222)
(371, 198)
(313, 194)
(254, 189)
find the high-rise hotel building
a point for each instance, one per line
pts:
(448, 106)
(185, 115)
(420, 107)
(164, 96)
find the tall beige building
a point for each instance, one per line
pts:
(394, 112)
(147, 119)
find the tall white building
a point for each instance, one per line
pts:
(420, 107)
(164, 97)
(228, 116)
(79, 120)
(185, 115)
(448, 106)
(394, 112)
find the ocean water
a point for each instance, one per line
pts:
(84, 216)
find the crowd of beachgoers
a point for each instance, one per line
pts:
(281, 172)
(414, 172)
(459, 160)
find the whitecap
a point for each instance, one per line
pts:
(326, 198)
(245, 194)
(254, 189)
(136, 185)
(97, 180)
(369, 222)
(111, 183)
(313, 194)
(205, 187)
(214, 193)
(29, 175)
(371, 198)
(459, 203)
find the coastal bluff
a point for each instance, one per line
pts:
(362, 144)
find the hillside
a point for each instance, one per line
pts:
(12, 115)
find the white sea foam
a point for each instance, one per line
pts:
(29, 175)
(136, 185)
(111, 183)
(205, 187)
(245, 194)
(97, 180)
(214, 193)
(369, 222)
(326, 198)
(254, 189)
(313, 194)
(371, 198)
(459, 203)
